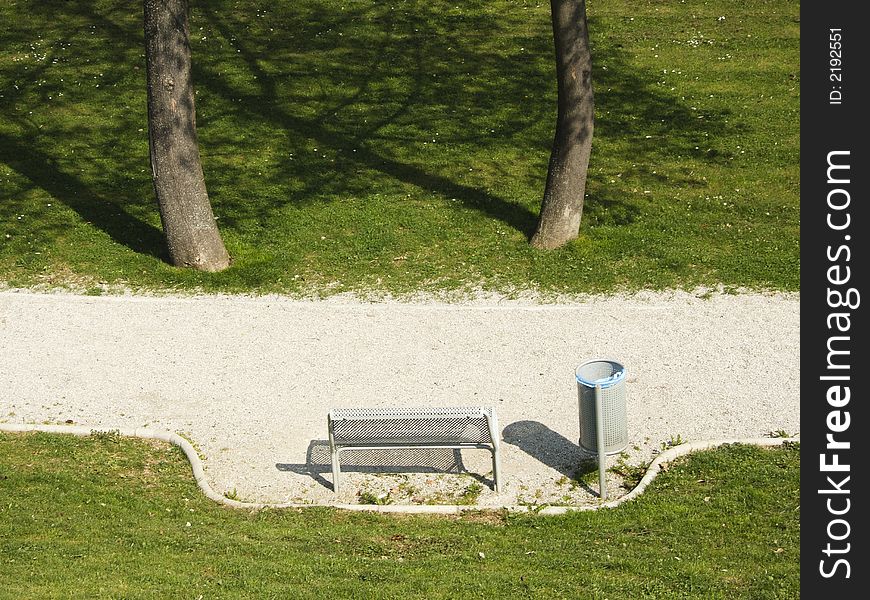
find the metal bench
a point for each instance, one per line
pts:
(389, 428)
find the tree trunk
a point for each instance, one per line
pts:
(562, 206)
(188, 222)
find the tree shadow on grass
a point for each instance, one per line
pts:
(409, 73)
(47, 135)
(40, 168)
(362, 146)
(368, 86)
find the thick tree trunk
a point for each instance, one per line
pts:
(188, 222)
(562, 206)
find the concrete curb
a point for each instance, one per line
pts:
(199, 474)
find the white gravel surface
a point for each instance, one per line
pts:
(250, 380)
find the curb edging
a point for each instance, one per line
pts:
(450, 509)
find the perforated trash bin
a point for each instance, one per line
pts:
(611, 376)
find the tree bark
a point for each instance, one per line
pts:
(188, 222)
(562, 206)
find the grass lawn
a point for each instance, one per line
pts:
(104, 517)
(402, 146)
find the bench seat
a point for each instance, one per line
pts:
(422, 427)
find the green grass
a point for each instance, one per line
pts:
(105, 517)
(402, 146)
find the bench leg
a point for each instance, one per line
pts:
(336, 468)
(492, 423)
(336, 465)
(496, 469)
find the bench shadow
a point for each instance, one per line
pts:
(551, 448)
(399, 460)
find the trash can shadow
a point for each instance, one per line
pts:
(552, 449)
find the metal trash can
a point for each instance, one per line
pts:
(611, 376)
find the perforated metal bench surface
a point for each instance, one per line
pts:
(387, 428)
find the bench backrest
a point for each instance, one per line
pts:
(448, 425)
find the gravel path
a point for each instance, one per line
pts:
(249, 381)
